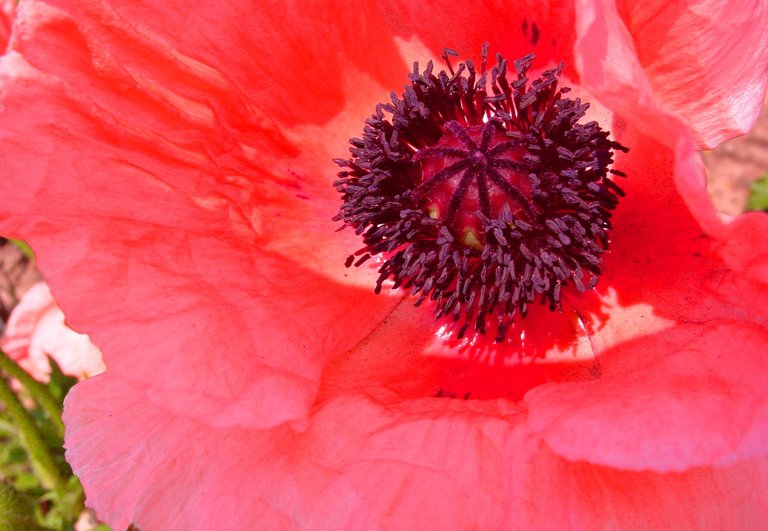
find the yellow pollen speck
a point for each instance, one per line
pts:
(433, 212)
(470, 239)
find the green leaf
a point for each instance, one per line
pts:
(27, 482)
(758, 198)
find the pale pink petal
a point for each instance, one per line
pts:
(20, 327)
(36, 330)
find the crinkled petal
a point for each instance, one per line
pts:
(685, 397)
(289, 60)
(701, 61)
(426, 463)
(192, 109)
(166, 203)
(705, 60)
(578, 495)
(358, 464)
(609, 68)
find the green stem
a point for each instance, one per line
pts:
(6, 428)
(17, 511)
(37, 391)
(32, 441)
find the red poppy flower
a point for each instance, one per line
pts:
(170, 164)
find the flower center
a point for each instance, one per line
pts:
(469, 175)
(479, 202)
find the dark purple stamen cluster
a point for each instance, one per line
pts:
(481, 203)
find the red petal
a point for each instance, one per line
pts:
(688, 396)
(289, 61)
(164, 205)
(357, 465)
(595, 497)
(360, 465)
(741, 246)
(531, 26)
(7, 14)
(701, 61)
